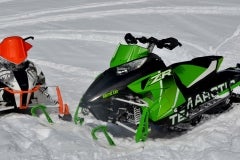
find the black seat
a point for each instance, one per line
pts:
(199, 61)
(205, 61)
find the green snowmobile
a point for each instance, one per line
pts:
(139, 90)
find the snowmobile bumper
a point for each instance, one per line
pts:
(23, 106)
(21, 93)
(141, 130)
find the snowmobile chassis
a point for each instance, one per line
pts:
(190, 88)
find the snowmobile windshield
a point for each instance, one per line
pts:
(14, 49)
(128, 53)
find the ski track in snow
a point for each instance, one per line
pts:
(3, 1)
(78, 71)
(234, 35)
(34, 14)
(106, 36)
(46, 16)
(85, 35)
(64, 14)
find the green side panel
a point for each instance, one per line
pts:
(169, 99)
(188, 73)
(127, 53)
(219, 63)
(163, 96)
(136, 86)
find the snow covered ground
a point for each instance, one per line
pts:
(74, 41)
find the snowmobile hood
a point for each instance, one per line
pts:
(109, 85)
(14, 49)
(103, 84)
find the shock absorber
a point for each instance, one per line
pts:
(137, 115)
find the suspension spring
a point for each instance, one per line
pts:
(137, 115)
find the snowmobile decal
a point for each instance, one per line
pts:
(208, 95)
(178, 117)
(200, 99)
(32, 74)
(139, 90)
(109, 94)
(160, 75)
(5, 75)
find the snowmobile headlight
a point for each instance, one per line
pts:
(131, 66)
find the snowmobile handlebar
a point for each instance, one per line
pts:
(27, 38)
(168, 43)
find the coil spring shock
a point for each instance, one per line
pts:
(137, 115)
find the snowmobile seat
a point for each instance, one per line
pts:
(205, 61)
(199, 61)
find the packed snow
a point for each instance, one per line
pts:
(74, 42)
